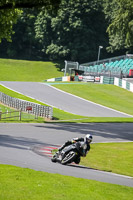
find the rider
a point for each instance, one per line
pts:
(87, 140)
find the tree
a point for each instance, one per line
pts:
(75, 32)
(120, 17)
(12, 4)
(11, 9)
(7, 19)
(24, 44)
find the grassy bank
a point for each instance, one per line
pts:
(106, 95)
(22, 70)
(22, 184)
(111, 157)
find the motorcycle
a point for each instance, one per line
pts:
(69, 154)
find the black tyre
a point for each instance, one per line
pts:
(69, 158)
(53, 159)
(77, 160)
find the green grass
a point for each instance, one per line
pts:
(112, 157)
(21, 70)
(26, 184)
(107, 95)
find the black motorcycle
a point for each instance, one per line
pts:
(69, 154)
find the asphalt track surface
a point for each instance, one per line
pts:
(64, 101)
(18, 141)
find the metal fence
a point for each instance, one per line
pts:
(36, 109)
(11, 114)
(108, 73)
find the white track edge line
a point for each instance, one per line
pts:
(88, 100)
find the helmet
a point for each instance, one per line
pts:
(89, 137)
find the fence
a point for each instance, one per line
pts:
(36, 109)
(10, 114)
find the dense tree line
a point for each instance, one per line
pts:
(10, 10)
(120, 29)
(67, 29)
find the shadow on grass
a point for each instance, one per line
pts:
(59, 65)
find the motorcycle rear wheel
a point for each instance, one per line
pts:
(53, 159)
(69, 158)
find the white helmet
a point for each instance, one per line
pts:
(89, 137)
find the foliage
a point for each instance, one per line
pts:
(9, 4)
(24, 44)
(120, 16)
(7, 19)
(9, 13)
(77, 29)
(65, 29)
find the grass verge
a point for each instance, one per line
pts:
(111, 157)
(22, 184)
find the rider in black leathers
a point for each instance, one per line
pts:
(87, 140)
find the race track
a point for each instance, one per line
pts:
(17, 142)
(64, 101)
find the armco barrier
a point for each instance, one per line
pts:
(131, 87)
(89, 78)
(124, 84)
(127, 85)
(106, 80)
(64, 78)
